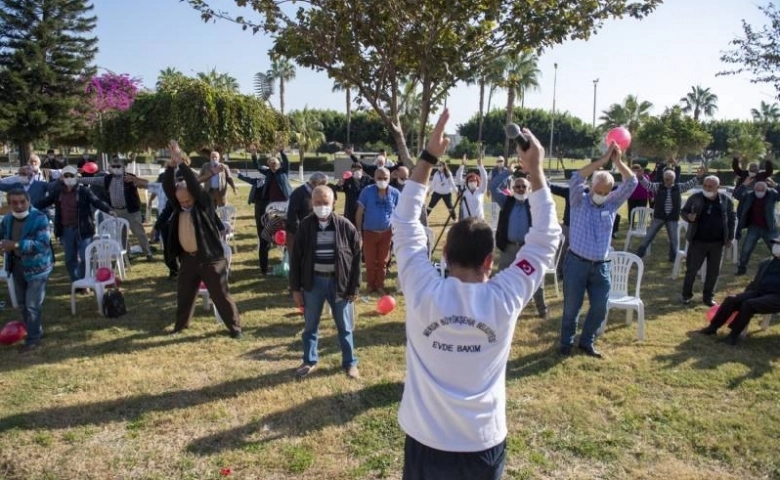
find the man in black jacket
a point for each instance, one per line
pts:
(352, 187)
(73, 221)
(299, 206)
(194, 237)
(325, 266)
(762, 295)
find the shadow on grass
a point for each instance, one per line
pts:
(301, 419)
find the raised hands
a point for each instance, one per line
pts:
(175, 149)
(437, 142)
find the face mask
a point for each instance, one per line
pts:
(752, 174)
(186, 209)
(472, 185)
(401, 181)
(322, 211)
(760, 194)
(35, 168)
(70, 182)
(382, 184)
(710, 195)
(357, 175)
(520, 197)
(24, 180)
(20, 215)
(776, 250)
(117, 171)
(599, 199)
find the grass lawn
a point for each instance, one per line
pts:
(118, 399)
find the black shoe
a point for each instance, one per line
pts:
(741, 271)
(709, 302)
(731, 339)
(543, 314)
(590, 351)
(685, 300)
(565, 350)
(237, 334)
(708, 331)
(149, 257)
(173, 275)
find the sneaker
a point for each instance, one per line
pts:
(709, 302)
(353, 372)
(741, 271)
(708, 330)
(685, 300)
(565, 350)
(304, 370)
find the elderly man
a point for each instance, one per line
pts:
(514, 223)
(25, 242)
(275, 188)
(325, 266)
(459, 329)
(762, 295)
(711, 220)
(379, 162)
(218, 175)
(300, 206)
(757, 214)
(586, 267)
(399, 177)
(352, 188)
(26, 180)
(666, 212)
(194, 237)
(752, 171)
(375, 207)
(41, 173)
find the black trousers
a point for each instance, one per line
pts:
(263, 247)
(214, 275)
(425, 463)
(446, 198)
(171, 260)
(747, 303)
(697, 253)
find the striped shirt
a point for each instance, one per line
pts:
(116, 191)
(590, 232)
(325, 249)
(655, 186)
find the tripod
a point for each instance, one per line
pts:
(458, 199)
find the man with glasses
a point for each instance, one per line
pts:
(122, 188)
(514, 222)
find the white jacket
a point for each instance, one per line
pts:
(473, 203)
(443, 184)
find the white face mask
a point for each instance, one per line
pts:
(117, 171)
(322, 211)
(520, 197)
(20, 215)
(776, 250)
(710, 195)
(188, 209)
(357, 175)
(760, 194)
(599, 199)
(70, 182)
(35, 168)
(752, 174)
(401, 181)
(472, 185)
(382, 184)
(24, 180)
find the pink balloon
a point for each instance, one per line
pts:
(347, 175)
(385, 305)
(12, 332)
(713, 310)
(103, 274)
(619, 135)
(280, 237)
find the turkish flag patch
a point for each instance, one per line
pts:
(525, 266)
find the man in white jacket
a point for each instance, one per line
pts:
(459, 329)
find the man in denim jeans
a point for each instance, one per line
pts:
(586, 268)
(25, 241)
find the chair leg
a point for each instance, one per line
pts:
(555, 280)
(603, 326)
(640, 320)
(73, 300)
(628, 241)
(12, 292)
(99, 290)
(765, 321)
(120, 265)
(629, 316)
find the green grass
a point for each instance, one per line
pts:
(116, 398)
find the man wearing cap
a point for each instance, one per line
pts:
(73, 219)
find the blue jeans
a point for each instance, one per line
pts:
(671, 233)
(582, 276)
(30, 295)
(754, 234)
(75, 249)
(324, 289)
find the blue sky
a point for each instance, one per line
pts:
(657, 59)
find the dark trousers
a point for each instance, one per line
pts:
(214, 275)
(446, 198)
(426, 463)
(747, 303)
(263, 247)
(171, 260)
(698, 252)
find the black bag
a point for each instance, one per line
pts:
(113, 303)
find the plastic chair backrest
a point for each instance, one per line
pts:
(100, 253)
(117, 229)
(559, 253)
(228, 214)
(640, 217)
(622, 262)
(228, 254)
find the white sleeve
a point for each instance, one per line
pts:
(410, 244)
(459, 175)
(10, 180)
(483, 179)
(520, 280)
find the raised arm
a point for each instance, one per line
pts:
(737, 169)
(285, 165)
(483, 177)
(97, 202)
(495, 188)
(586, 171)
(649, 186)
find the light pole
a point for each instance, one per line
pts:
(552, 118)
(595, 88)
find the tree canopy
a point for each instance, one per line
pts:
(671, 134)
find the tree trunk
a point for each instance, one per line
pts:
(349, 113)
(281, 96)
(302, 153)
(510, 108)
(25, 151)
(481, 111)
(425, 110)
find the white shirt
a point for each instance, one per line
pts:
(459, 334)
(442, 184)
(473, 203)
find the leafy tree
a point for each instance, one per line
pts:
(747, 143)
(699, 101)
(113, 91)
(720, 131)
(375, 45)
(758, 51)
(220, 81)
(766, 113)
(167, 77)
(671, 134)
(46, 51)
(339, 87)
(264, 86)
(630, 114)
(307, 132)
(282, 71)
(520, 73)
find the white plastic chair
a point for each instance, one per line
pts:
(622, 264)
(117, 229)
(682, 253)
(554, 270)
(637, 226)
(229, 216)
(99, 253)
(204, 292)
(764, 325)
(9, 279)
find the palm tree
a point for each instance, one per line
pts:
(264, 86)
(487, 78)
(345, 87)
(306, 131)
(220, 81)
(410, 108)
(167, 77)
(631, 114)
(520, 74)
(766, 113)
(700, 101)
(284, 71)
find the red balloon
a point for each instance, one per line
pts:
(12, 332)
(90, 167)
(619, 135)
(713, 310)
(280, 237)
(385, 305)
(347, 175)
(103, 274)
